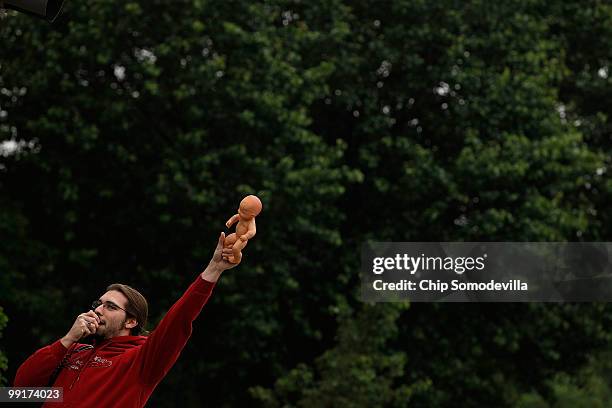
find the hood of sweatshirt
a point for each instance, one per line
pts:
(118, 345)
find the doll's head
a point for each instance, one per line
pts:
(250, 207)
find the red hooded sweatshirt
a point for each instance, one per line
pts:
(122, 371)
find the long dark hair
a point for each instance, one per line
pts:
(137, 307)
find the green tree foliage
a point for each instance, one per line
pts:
(133, 129)
(585, 90)
(591, 387)
(361, 370)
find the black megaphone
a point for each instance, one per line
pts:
(47, 9)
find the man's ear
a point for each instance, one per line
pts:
(131, 323)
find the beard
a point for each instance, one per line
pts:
(109, 329)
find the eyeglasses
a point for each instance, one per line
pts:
(108, 305)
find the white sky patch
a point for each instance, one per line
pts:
(145, 55)
(119, 72)
(603, 72)
(11, 147)
(288, 16)
(461, 221)
(8, 147)
(385, 69)
(16, 91)
(443, 89)
(562, 111)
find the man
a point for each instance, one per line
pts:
(120, 369)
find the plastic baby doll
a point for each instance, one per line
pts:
(250, 207)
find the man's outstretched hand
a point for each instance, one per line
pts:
(219, 262)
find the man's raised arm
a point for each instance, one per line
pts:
(165, 343)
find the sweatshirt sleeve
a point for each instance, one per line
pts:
(165, 343)
(37, 369)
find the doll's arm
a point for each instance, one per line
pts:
(232, 220)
